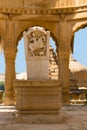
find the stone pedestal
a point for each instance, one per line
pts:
(38, 100)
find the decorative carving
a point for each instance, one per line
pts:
(37, 41)
(42, 11)
(62, 17)
(11, 16)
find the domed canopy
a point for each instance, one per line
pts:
(75, 66)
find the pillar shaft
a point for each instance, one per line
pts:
(64, 76)
(63, 53)
(9, 98)
(10, 55)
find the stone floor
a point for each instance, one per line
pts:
(74, 118)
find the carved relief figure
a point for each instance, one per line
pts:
(37, 41)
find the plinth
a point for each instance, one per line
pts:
(38, 101)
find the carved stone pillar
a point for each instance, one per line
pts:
(64, 76)
(9, 97)
(10, 55)
(63, 53)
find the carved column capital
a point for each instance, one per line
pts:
(62, 17)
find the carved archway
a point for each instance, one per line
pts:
(52, 33)
(53, 38)
(78, 25)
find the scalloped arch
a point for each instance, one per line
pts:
(76, 28)
(26, 28)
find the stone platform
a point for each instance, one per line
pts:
(38, 101)
(74, 118)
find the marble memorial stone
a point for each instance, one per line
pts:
(36, 41)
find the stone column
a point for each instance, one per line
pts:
(64, 76)
(9, 97)
(63, 53)
(10, 55)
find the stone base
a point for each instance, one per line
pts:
(9, 101)
(38, 118)
(38, 95)
(38, 101)
(65, 98)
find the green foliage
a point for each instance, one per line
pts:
(1, 82)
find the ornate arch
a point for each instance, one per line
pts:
(77, 26)
(25, 28)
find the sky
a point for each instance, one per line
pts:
(80, 46)
(80, 52)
